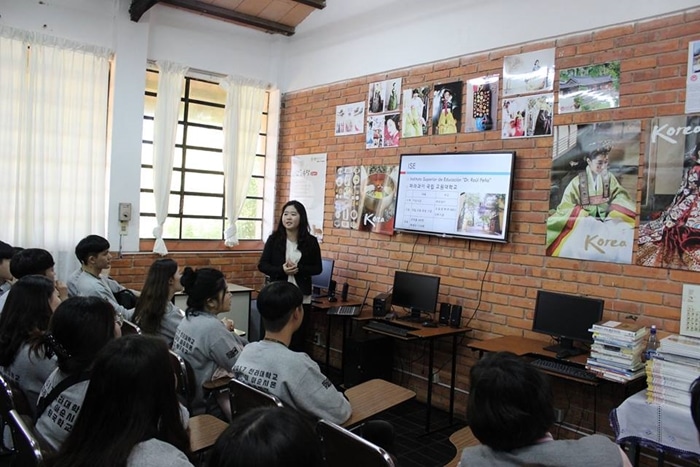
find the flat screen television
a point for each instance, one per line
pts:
(418, 292)
(567, 318)
(462, 195)
(322, 281)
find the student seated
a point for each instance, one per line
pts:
(510, 412)
(78, 330)
(29, 307)
(695, 403)
(94, 256)
(293, 376)
(155, 313)
(205, 342)
(6, 254)
(34, 261)
(268, 437)
(130, 415)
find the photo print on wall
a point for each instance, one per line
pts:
(669, 225)
(482, 104)
(415, 112)
(349, 119)
(592, 203)
(527, 116)
(528, 73)
(384, 118)
(589, 88)
(447, 108)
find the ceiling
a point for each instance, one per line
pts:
(272, 16)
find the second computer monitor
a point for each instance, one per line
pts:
(418, 292)
(322, 281)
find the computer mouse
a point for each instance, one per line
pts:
(332, 299)
(429, 324)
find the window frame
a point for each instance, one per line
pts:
(268, 161)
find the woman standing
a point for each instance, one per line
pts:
(292, 254)
(130, 415)
(155, 313)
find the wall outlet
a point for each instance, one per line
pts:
(558, 415)
(317, 338)
(436, 377)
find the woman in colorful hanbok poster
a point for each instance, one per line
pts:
(447, 123)
(672, 240)
(593, 198)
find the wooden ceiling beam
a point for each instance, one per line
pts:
(139, 7)
(320, 4)
(230, 15)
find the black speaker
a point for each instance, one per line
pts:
(365, 357)
(331, 289)
(445, 310)
(344, 293)
(456, 316)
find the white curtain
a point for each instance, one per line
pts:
(171, 81)
(53, 142)
(245, 101)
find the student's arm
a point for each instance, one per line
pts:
(225, 347)
(315, 394)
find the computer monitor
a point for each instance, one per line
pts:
(415, 291)
(322, 281)
(567, 318)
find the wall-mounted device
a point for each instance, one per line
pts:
(124, 212)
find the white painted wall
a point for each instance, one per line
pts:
(351, 38)
(348, 38)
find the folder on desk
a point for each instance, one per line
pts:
(348, 310)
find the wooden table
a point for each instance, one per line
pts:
(431, 334)
(204, 430)
(372, 397)
(461, 439)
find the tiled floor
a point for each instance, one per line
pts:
(415, 448)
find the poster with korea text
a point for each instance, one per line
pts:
(308, 186)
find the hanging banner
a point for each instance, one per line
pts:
(308, 186)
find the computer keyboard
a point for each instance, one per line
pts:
(345, 310)
(388, 327)
(563, 368)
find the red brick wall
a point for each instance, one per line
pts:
(497, 283)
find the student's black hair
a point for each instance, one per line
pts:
(695, 402)
(280, 233)
(78, 330)
(276, 302)
(131, 398)
(6, 251)
(90, 245)
(154, 298)
(268, 437)
(25, 316)
(201, 285)
(31, 261)
(510, 402)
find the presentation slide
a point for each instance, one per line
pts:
(455, 195)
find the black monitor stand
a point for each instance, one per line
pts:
(565, 347)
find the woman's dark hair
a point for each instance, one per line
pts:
(276, 302)
(280, 233)
(201, 285)
(154, 298)
(79, 328)
(31, 261)
(510, 402)
(131, 398)
(695, 402)
(268, 437)
(25, 316)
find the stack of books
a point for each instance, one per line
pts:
(616, 352)
(674, 367)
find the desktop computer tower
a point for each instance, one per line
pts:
(381, 305)
(367, 357)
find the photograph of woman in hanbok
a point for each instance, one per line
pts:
(446, 108)
(414, 113)
(672, 238)
(596, 215)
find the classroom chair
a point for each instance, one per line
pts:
(343, 448)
